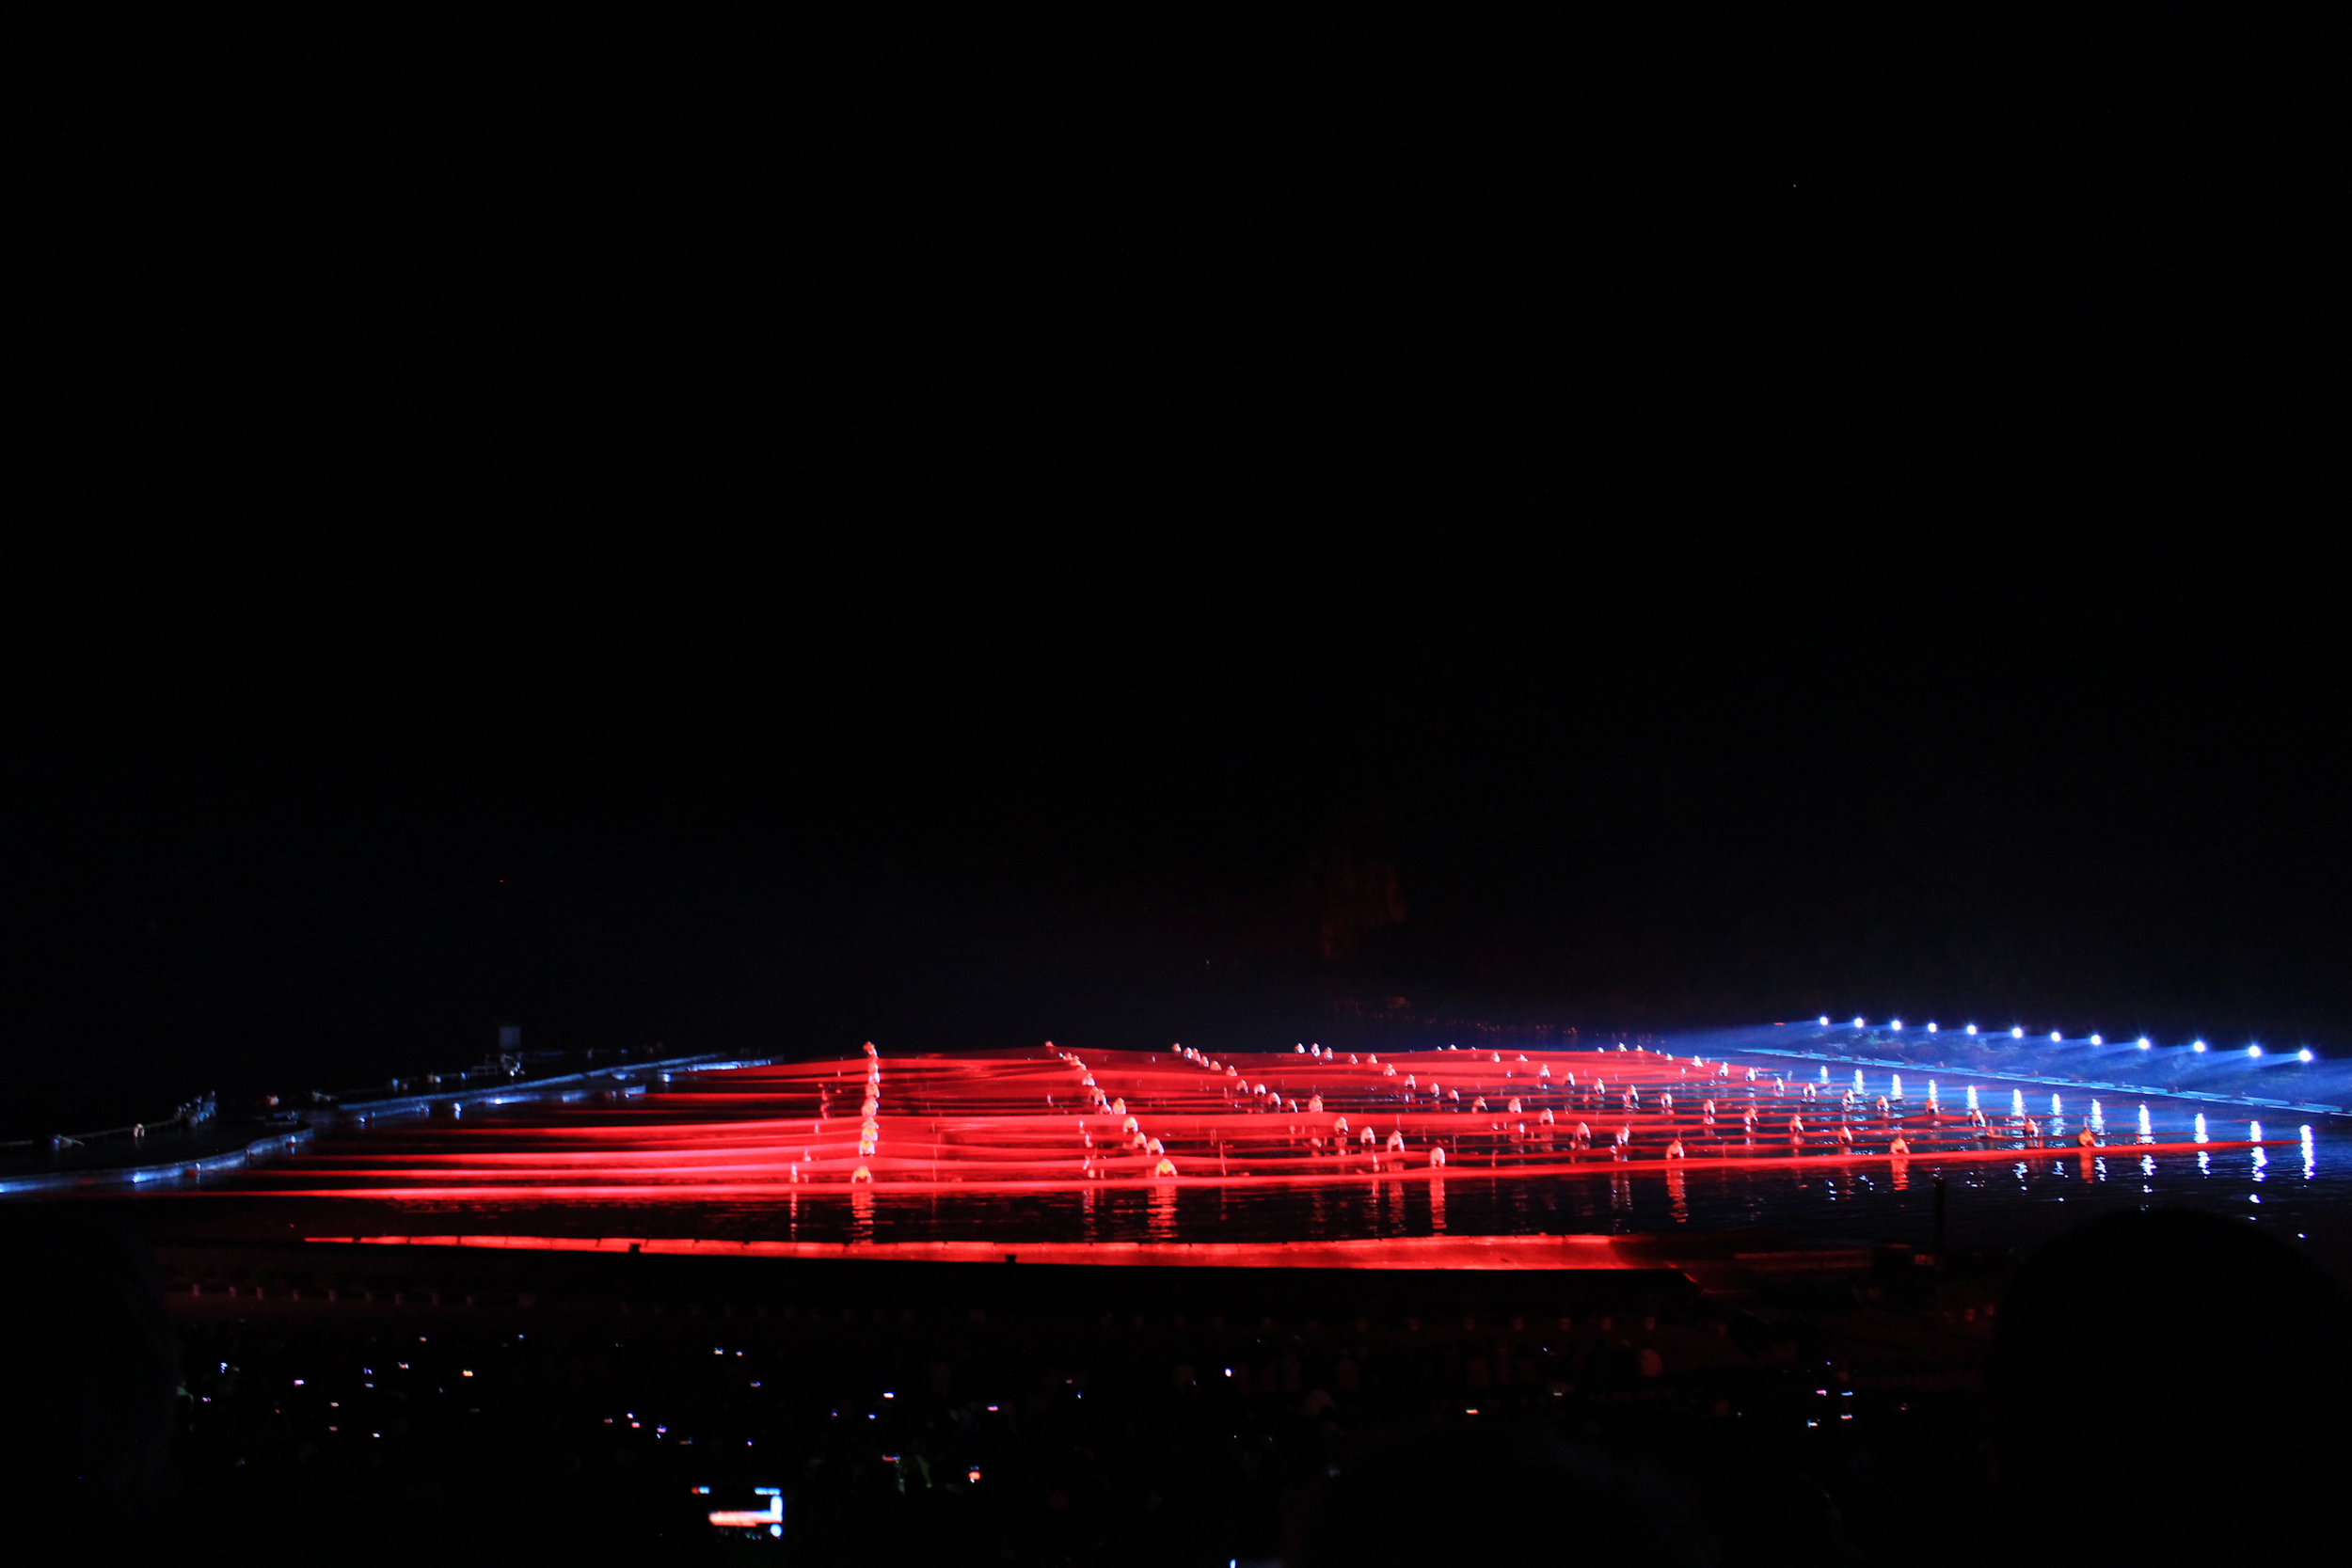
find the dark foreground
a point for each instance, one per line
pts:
(431, 1404)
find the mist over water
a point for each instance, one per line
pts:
(2035, 1186)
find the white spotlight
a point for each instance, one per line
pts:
(2198, 1046)
(2254, 1051)
(2096, 1040)
(1825, 1021)
(1931, 1026)
(2017, 1034)
(2143, 1043)
(1857, 1023)
(1896, 1024)
(2055, 1037)
(2304, 1054)
(1972, 1028)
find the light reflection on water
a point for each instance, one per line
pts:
(1988, 1203)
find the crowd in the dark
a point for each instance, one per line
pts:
(2155, 1373)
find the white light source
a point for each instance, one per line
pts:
(1825, 1021)
(2055, 1037)
(1972, 1028)
(2143, 1043)
(2018, 1033)
(1931, 1026)
(2254, 1051)
(1895, 1023)
(2096, 1040)
(2304, 1054)
(1857, 1022)
(2198, 1046)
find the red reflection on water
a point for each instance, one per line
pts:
(1025, 1121)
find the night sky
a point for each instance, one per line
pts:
(761, 541)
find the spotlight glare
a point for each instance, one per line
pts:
(2304, 1054)
(1931, 1026)
(2096, 1040)
(2018, 1033)
(2254, 1051)
(1857, 1022)
(2143, 1043)
(1972, 1028)
(1896, 1024)
(1825, 1021)
(2055, 1038)
(2198, 1046)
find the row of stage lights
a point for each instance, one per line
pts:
(2056, 1038)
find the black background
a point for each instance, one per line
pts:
(709, 533)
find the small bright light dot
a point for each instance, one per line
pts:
(2303, 1056)
(1825, 1021)
(2198, 1046)
(2017, 1034)
(1896, 1024)
(1857, 1022)
(2143, 1043)
(1930, 1028)
(2096, 1040)
(2254, 1051)
(1972, 1028)
(2056, 1037)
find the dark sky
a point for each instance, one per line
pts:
(749, 539)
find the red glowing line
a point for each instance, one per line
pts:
(1397, 1252)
